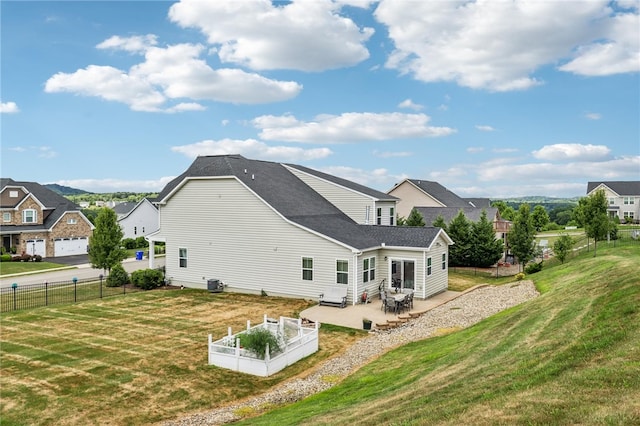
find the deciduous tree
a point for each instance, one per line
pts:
(522, 235)
(591, 213)
(562, 247)
(104, 244)
(540, 217)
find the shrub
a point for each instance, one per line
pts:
(147, 279)
(117, 277)
(25, 258)
(129, 243)
(532, 268)
(5, 258)
(520, 276)
(37, 258)
(256, 340)
(17, 258)
(141, 242)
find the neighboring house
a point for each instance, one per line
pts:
(38, 221)
(432, 200)
(137, 219)
(291, 231)
(623, 198)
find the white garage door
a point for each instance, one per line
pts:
(35, 247)
(70, 246)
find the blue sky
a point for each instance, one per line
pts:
(489, 98)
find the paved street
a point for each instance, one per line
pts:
(79, 268)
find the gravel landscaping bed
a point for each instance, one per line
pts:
(462, 312)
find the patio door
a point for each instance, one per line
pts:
(403, 274)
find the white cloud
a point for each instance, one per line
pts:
(475, 149)
(623, 168)
(261, 35)
(593, 116)
(504, 150)
(9, 108)
(251, 148)
(38, 151)
(168, 73)
(408, 103)
(572, 151)
(618, 53)
(46, 152)
(348, 127)
(485, 128)
(391, 154)
(135, 44)
(376, 178)
(116, 185)
(498, 45)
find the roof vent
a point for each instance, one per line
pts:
(245, 171)
(253, 177)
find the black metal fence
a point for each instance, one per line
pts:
(17, 297)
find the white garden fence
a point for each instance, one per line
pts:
(297, 341)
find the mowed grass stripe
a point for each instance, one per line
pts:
(131, 360)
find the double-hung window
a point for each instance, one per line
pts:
(342, 271)
(6, 217)
(444, 261)
(628, 200)
(307, 268)
(379, 216)
(369, 269)
(428, 266)
(182, 255)
(29, 216)
(392, 216)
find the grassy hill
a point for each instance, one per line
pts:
(572, 356)
(64, 190)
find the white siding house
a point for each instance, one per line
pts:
(257, 226)
(623, 199)
(138, 221)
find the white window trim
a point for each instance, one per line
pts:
(35, 215)
(444, 261)
(181, 258)
(338, 272)
(302, 259)
(429, 264)
(6, 216)
(369, 272)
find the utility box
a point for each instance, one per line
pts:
(215, 286)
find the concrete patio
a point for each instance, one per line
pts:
(352, 315)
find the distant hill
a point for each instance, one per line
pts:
(539, 199)
(65, 190)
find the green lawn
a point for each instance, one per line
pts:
(571, 356)
(135, 359)
(8, 268)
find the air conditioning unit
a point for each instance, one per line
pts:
(215, 286)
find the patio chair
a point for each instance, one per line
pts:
(408, 301)
(388, 303)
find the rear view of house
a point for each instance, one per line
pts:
(292, 231)
(38, 221)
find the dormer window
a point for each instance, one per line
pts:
(29, 216)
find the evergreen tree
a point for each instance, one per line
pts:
(104, 244)
(522, 235)
(415, 219)
(486, 248)
(440, 223)
(460, 232)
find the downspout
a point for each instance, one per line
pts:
(355, 277)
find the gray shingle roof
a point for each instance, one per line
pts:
(621, 188)
(300, 204)
(52, 201)
(440, 193)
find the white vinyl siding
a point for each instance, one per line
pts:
(350, 202)
(227, 228)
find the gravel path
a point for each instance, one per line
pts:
(462, 312)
